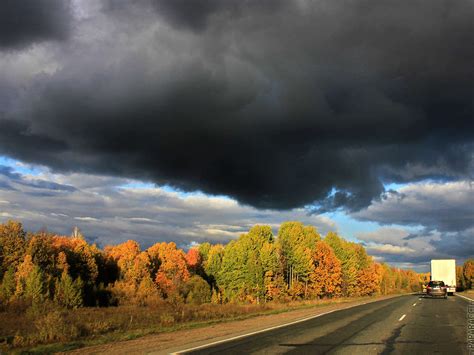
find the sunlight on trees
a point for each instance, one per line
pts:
(257, 267)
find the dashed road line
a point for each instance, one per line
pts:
(402, 317)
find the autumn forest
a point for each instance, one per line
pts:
(258, 267)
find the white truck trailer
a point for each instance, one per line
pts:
(444, 270)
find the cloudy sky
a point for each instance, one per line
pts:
(193, 120)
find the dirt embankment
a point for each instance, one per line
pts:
(166, 343)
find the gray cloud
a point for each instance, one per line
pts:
(195, 15)
(400, 247)
(14, 178)
(23, 22)
(446, 207)
(274, 105)
(460, 244)
(111, 210)
(442, 213)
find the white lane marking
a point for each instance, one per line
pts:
(414, 304)
(401, 318)
(256, 332)
(267, 329)
(466, 298)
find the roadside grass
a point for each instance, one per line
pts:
(468, 293)
(52, 330)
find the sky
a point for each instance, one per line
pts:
(191, 121)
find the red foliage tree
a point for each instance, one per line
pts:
(193, 259)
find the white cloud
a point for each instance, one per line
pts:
(87, 219)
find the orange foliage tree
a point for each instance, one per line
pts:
(172, 271)
(326, 277)
(193, 259)
(468, 273)
(369, 280)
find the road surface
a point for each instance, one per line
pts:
(403, 325)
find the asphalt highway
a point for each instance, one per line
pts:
(403, 325)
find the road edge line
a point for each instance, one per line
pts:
(275, 327)
(466, 298)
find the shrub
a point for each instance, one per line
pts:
(198, 290)
(54, 327)
(167, 320)
(98, 327)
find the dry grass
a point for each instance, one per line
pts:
(24, 329)
(468, 292)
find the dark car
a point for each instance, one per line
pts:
(437, 289)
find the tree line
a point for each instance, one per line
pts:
(257, 267)
(465, 275)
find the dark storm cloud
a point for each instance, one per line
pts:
(23, 22)
(194, 14)
(278, 106)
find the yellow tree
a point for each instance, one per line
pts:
(12, 245)
(24, 269)
(347, 255)
(468, 273)
(124, 255)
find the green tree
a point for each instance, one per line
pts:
(213, 264)
(230, 278)
(296, 242)
(347, 255)
(242, 274)
(8, 286)
(35, 286)
(204, 249)
(274, 283)
(69, 293)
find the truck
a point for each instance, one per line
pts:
(444, 270)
